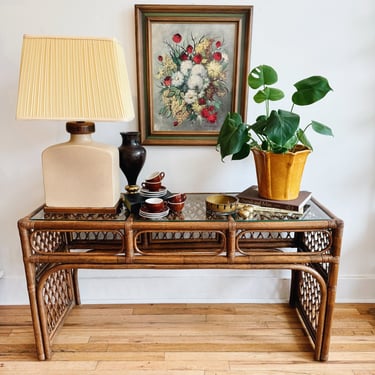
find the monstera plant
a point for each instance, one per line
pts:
(277, 131)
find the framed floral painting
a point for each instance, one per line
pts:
(192, 65)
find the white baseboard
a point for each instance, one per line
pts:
(356, 288)
(13, 291)
(190, 286)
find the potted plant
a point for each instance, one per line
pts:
(278, 143)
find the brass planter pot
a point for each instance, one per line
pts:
(279, 175)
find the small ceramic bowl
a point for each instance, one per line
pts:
(151, 186)
(155, 177)
(221, 204)
(176, 198)
(176, 206)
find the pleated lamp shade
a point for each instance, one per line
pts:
(79, 80)
(73, 78)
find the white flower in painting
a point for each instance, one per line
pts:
(195, 82)
(177, 79)
(199, 69)
(186, 67)
(206, 82)
(201, 94)
(190, 97)
(225, 57)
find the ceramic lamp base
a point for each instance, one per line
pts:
(81, 174)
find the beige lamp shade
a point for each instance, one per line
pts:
(79, 80)
(73, 78)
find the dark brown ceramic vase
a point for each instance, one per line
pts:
(132, 159)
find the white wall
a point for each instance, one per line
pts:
(299, 38)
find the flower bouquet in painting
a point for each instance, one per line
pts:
(192, 80)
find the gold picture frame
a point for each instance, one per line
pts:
(192, 66)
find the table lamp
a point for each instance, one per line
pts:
(79, 80)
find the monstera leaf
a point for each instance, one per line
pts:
(233, 136)
(310, 90)
(281, 127)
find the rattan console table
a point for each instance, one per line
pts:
(55, 247)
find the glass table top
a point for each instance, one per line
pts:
(195, 210)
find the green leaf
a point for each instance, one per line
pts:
(281, 126)
(259, 97)
(265, 145)
(321, 128)
(276, 149)
(261, 118)
(262, 75)
(232, 136)
(269, 93)
(291, 142)
(310, 90)
(259, 126)
(275, 94)
(243, 153)
(303, 139)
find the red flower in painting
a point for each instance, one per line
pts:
(209, 114)
(189, 49)
(197, 58)
(217, 56)
(160, 58)
(218, 44)
(205, 112)
(168, 81)
(177, 38)
(184, 56)
(212, 118)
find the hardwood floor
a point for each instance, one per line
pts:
(188, 339)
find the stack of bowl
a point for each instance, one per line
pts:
(176, 202)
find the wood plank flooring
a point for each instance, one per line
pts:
(188, 339)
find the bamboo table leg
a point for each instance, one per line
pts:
(31, 280)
